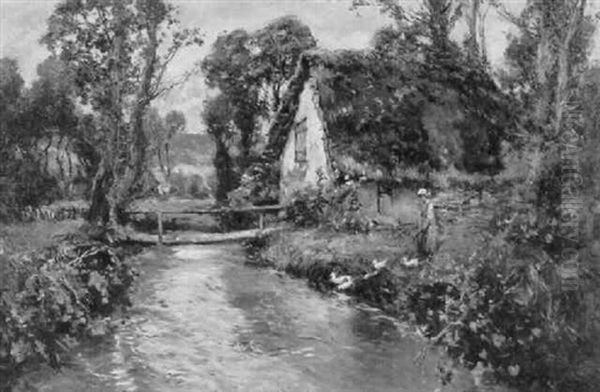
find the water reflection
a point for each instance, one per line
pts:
(203, 321)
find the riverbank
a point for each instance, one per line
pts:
(465, 299)
(56, 286)
(202, 320)
(316, 254)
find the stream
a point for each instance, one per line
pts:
(202, 320)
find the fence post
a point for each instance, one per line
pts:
(160, 227)
(260, 221)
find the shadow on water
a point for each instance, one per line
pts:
(204, 321)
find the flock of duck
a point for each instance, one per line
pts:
(344, 282)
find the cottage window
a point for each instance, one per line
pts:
(300, 141)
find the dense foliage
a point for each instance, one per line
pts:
(336, 208)
(417, 97)
(34, 120)
(52, 297)
(509, 311)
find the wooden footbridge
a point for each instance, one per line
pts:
(196, 237)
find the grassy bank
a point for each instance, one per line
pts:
(314, 254)
(24, 236)
(488, 307)
(56, 286)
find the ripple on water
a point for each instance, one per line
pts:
(204, 321)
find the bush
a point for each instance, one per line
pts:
(502, 311)
(51, 297)
(337, 208)
(307, 207)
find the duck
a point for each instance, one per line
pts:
(343, 282)
(379, 264)
(371, 274)
(410, 263)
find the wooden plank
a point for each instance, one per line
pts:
(160, 227)
(264, 209)
(183, 238)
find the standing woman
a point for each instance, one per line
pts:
(427, 236)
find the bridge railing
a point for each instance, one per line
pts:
(260, 210)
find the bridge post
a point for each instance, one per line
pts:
(261, 222)
(160, 227)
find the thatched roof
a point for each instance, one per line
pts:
(360, 97)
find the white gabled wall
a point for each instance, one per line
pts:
(295, 176)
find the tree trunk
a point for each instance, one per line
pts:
(98, 213)
(482, 40)
(168, 158)
(46, 155)
(544, 63)
(224, 170)
(472, 19)
(562, 79)
(132, 182)
(564, 124)
(118, 180)
(161, 164)
(103, 206)
(247, 131)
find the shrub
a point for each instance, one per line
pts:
(336, 207)
(502, 311)
(307, 207)
(53, 296)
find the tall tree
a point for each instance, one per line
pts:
(554, 41)
(227, 68)
(116, 50)
(547, 56)
(277, 48)
(219, 125)
(546, 62)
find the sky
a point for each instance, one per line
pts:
(332, 22)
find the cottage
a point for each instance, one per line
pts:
(310, 145)
(307, 158)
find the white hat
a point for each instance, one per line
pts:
(422, 192)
